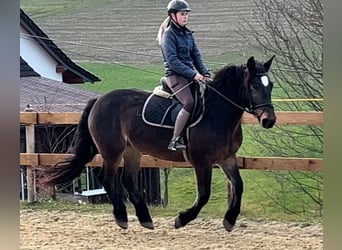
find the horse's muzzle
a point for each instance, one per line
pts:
(267, 118)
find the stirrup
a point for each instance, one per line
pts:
(176, 145)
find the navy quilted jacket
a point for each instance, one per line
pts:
(181, 54)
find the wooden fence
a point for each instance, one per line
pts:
(30, 158)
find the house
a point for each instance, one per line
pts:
(44, 94)
(39, 93)
(46, 58)
(46, 73)
(46, 78)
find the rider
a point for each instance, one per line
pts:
(183, 63)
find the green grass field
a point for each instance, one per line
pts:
(147, 76)
(256, 203)
(116, 76)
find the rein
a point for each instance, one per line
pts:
(248, 110)
(252, 107)
(181, 89)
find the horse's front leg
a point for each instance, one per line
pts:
(203, 174)
(235, 189)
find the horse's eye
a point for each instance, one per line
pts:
(255, 86)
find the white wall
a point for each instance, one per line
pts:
(37, 57)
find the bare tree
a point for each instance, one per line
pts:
(53, 139)
(293, 31)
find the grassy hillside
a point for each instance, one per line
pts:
(125, 31)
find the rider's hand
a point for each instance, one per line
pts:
(207, 79)
(198, 77)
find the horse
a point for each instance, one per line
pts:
(112, 126)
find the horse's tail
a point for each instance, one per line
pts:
(84, 151)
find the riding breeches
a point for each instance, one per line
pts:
(175, 83)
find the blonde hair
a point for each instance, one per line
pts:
(162, 28)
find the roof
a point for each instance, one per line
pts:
(72, 73)
(26, 70)
(43, 94)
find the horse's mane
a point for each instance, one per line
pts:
(227, 81)
(229, 74)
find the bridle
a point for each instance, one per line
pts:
(252, 107)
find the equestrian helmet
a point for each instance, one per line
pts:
(177, 5)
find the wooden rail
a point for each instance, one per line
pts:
(283, 118)
(264, 163)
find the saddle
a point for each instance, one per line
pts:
(161, 107)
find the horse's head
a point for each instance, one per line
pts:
(259, 89)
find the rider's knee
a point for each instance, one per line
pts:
(188, 106)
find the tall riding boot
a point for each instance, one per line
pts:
(181, 120)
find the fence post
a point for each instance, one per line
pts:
(30, 172)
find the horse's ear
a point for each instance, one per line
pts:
(251, 64)
(267, 64)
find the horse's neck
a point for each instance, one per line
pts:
(219, 108)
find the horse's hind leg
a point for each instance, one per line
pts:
(106, 177)
(235, 189)
(203, 174)
(129, 178)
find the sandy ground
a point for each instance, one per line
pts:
(69, 230)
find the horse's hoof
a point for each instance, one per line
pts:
(178, 223)
(122, 224)
(148, 225)
(229, 227)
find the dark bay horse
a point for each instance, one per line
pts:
(112, 126)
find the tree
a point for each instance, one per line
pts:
(293, 31)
